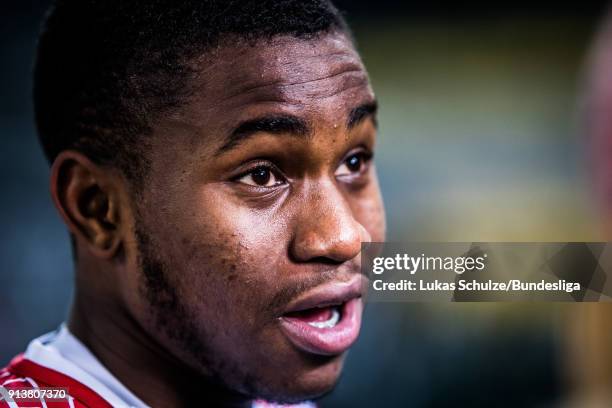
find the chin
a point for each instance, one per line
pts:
(316, 380)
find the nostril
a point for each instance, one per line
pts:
(328, 245)
(325, 260)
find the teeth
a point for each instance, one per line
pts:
(328, 324)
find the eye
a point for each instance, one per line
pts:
(261, 176)
(355, 164)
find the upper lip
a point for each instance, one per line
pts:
(329, 294)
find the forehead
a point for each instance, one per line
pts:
(283, 72)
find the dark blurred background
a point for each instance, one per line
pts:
(479, 141)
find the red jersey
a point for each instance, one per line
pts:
(58, 371)
(49, 388)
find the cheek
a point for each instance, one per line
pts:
(375, 221)
(223, 250)
(227, 261)
(370, 212)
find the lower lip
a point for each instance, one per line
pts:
(326, 341)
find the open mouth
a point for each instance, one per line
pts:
(327, 320)
(319, 317)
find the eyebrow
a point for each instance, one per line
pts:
(290, 125)
(276, 124)
(361, 113)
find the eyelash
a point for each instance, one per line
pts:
(365, 155)
(261, 165)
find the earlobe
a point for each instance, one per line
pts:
(87, 200)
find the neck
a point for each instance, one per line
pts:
(139, 362)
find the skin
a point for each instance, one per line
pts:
(180, 283)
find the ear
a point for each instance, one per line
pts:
(87, 197)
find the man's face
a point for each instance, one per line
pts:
(260, 191)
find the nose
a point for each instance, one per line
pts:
(326, 229)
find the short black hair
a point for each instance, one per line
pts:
(105, 70)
